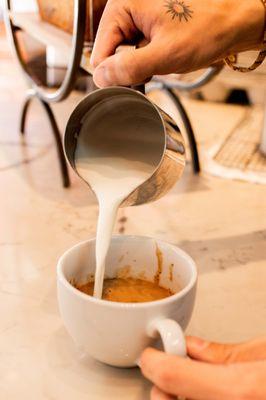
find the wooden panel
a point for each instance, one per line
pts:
(49, 35)
(61, 14)
(43, 31)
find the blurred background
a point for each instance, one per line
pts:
(216, 212)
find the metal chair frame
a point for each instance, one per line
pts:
(44, 96)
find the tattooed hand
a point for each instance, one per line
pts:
(172, 35)
(178, 9)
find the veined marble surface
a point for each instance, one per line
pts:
(221, 224)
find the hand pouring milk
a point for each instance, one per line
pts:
(115, 157)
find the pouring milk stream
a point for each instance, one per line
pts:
(115, 158)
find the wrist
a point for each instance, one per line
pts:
(248, 23)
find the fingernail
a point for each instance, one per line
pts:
(101, 77)
(199, 343)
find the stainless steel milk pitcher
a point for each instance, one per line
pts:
(132, 112)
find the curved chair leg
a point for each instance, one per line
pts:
(58, 141)
(55, 131)
(24, 113)
(188, 128)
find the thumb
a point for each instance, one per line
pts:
(254, 350)
(127, 67)
(215, 353)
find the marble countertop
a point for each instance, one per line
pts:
(221, 224)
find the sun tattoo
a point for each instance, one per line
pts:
(178, 9)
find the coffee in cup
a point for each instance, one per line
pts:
(128, 290)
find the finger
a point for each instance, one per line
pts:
(226, 353)
(127, 67)
(106, 42)
(189, 378)
(114, 28)
(254, 350)
(215, 353)
(157, 394)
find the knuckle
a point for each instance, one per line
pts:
(131, 73)
(135, 72)
(231, 355)
(221, 353)
(127, 68)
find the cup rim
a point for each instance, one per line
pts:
(134, 306)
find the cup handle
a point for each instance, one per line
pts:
(171, 334)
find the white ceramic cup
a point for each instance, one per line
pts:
(117, 333)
